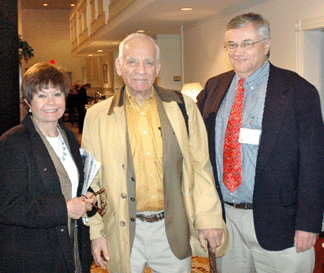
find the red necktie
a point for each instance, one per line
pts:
(232, 167)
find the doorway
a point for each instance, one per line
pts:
(310, 52)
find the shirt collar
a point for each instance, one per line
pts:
(131, 100)
(256, 77)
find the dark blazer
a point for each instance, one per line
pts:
(33, 215)
(289, 180)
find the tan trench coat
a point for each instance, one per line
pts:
(104, 134)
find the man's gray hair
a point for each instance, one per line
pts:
(138, 35)
(258, 21)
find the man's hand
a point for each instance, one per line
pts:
(213, 236)
(304, 240)
(99, 248)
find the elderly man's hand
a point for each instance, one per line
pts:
(213, 236)
(100, 253)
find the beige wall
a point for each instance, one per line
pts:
(48, 34)
(205, 56)
(170, 61)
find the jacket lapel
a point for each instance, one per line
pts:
(168, 104)
(274, 111)
(43, 161)
(72, 143)
(222, 88)
(166, 132)
(118, 107)
(221, 92)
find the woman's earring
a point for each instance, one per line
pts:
(29, 110)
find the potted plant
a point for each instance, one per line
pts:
(25, 50)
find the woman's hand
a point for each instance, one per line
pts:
(91, 196)
(78, 206)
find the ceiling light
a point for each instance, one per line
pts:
(90, 55)
(45, 5)
(140, 31)
(186, 9)
(72, 5)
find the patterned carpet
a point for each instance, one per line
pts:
(199, 265)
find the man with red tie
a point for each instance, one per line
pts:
(266, 144)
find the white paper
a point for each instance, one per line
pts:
(91, 167)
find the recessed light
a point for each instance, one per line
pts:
(45, 5)
(99, 50)
(140, 31)
(186, 9)
(90, 55)
(72, 5)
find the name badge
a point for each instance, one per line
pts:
(249, 136)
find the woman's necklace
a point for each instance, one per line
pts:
(62, 148)
(58, 146)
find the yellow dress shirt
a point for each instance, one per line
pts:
(145, 137)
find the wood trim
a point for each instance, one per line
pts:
(117, 7)
(98, 24)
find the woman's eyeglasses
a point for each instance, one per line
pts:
(101, 208)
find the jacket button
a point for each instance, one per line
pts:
(45, 169)
(132, 219)
(123, 195)
(122, 223)
(62, 230)
(132, 199)
(133, 179)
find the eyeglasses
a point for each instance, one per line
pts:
(245, 45)
(102, 207)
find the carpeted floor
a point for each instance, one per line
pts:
(199, 265)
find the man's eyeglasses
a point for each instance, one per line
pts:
(245, 45)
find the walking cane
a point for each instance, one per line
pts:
(212, 260)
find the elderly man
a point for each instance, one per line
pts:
(156, 171)
(266, 142)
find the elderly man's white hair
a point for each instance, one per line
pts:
(137, 35)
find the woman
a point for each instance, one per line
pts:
(41, 175)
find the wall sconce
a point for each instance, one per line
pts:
(192, 89)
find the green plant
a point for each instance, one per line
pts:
(26, 50)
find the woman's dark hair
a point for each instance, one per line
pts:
(44, 75)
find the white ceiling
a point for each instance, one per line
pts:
(155, 16)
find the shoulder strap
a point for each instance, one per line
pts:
(182, 107)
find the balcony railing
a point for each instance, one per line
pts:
(90, 16)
